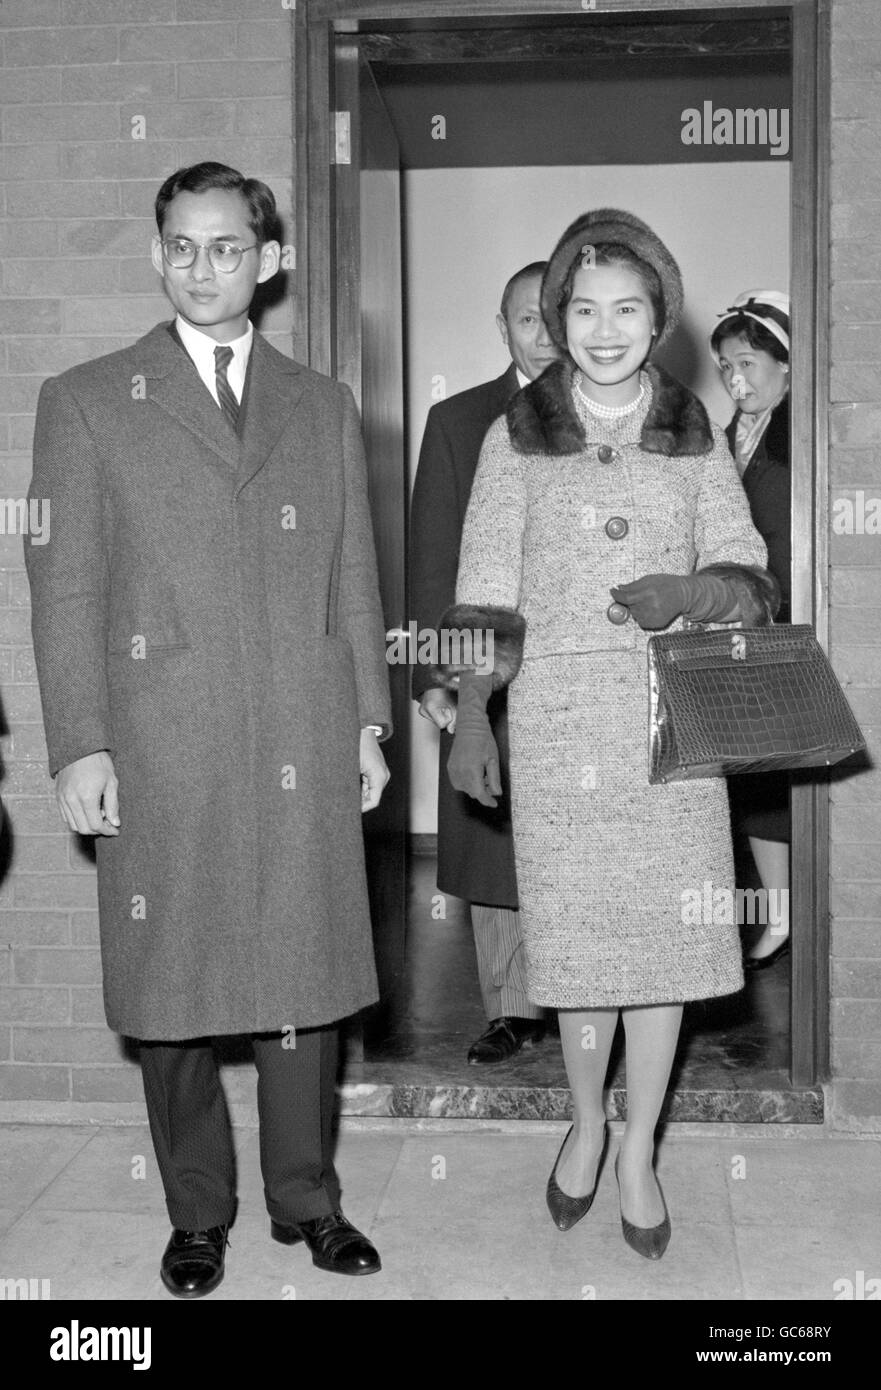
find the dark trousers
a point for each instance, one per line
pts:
(189, 1122)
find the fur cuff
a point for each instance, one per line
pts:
(757, 591)
(478, 639)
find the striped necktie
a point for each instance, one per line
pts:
(225, 394)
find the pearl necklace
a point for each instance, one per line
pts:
(611, 412)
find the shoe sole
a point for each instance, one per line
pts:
(194, 1293)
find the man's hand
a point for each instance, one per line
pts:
(374, 772)
(439, 706)
(87, 793)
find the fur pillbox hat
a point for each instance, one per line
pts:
(610, 226)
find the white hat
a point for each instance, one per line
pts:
(770, 308)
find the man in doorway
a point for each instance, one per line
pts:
(475, 850)
(210, 650)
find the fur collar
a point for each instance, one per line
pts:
(542, 418)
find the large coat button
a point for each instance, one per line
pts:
(616, 528)
(605, 453)
(617, 613)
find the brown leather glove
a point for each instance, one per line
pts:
(473, 765)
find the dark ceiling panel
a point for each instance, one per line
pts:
(606, 111)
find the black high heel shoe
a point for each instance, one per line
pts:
(650, 1241)
(565, 1210)
(752, 964)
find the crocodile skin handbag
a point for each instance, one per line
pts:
(744, 700)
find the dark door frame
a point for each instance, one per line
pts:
(316, 25)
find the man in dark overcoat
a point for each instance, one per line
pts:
(475, 852)
(210, 649)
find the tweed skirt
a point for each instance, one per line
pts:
(626, 889)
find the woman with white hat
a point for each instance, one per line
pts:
(605, 506)
(750, 346)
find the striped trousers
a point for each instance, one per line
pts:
(501, 964)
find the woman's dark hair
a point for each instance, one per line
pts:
(613, 253)
(200, 178)
(757, 335)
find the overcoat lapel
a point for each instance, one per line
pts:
(272, 391)
(174, 385)
(507, 386)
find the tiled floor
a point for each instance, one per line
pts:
(459, 1214)
(732, 1062)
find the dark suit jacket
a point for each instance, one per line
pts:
(475, 848)
(767, 486)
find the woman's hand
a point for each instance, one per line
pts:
(473, 764)
(655, 599)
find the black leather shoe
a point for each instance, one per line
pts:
(753, 963)
(335, 1243)
(193, 1261)
(503, 1038)
(650, 1241)
(566, 1210)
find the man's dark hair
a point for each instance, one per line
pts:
(760, 338)
(536, 268)
(200, 178)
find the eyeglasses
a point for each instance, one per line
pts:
(226, 256)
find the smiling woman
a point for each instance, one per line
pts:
(610, 323)
(602, 858)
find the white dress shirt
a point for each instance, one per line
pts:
(201, 349)
(523, 380)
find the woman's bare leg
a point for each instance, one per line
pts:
(772, 862)
(652, 1034)
(587, 1041)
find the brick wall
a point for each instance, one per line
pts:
(855, 578)
(211, 79)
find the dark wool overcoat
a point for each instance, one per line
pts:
(207, 610)
(760, 805)
(766, 482)
(475, 851)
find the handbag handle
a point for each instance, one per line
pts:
(695, 659)
(689, 625)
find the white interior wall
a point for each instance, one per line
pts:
(467, 230)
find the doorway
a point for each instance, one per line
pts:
(370, 84)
